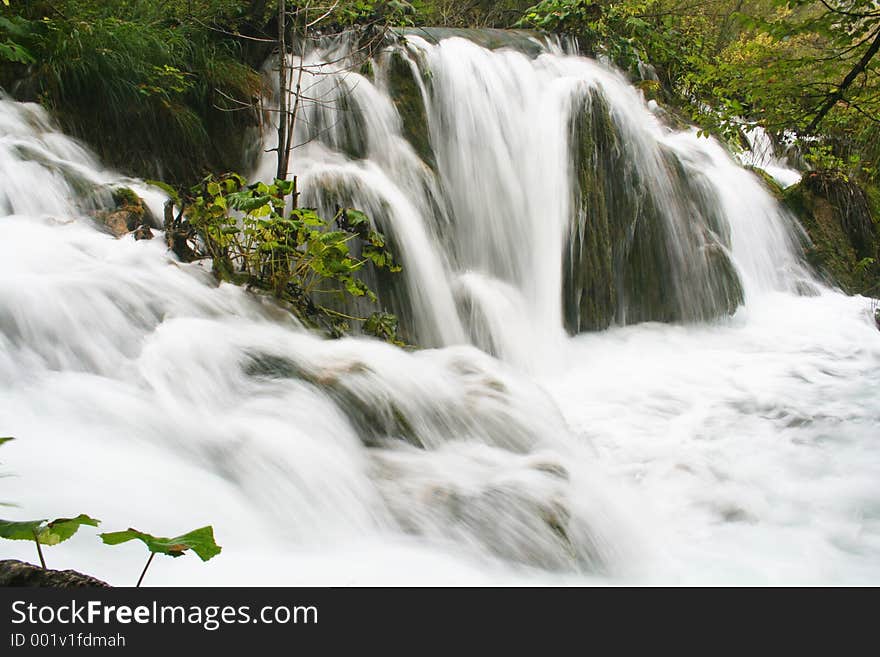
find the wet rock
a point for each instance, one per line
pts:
(143, 232)
(120, 222)
(19, 573)
(130, 214)
(407, 97)
(637, 251)
(844, 246)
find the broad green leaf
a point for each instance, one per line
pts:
(6, 439)
(200, 541)
(214, 189)
(61, 529)
(13, 52)
(22, 530)
(285, 187)
(48, 533)
(246, 202)
(355, 217)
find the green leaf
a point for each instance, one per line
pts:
(308, 216)
(6, 439)
(285, 187)
(51, 533)
(356, 217)
(246, 202)
(200, 541)
(13, 52)
(22, 530)
(214, 189)
(61, 529)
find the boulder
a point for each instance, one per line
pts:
(838, 216)
(130, 214)
(19, 573)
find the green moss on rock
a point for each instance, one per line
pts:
(623, 262)
(407, 96)
(837, 215)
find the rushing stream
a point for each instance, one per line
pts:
(631, 376)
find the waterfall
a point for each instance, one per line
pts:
(627, 374)
(530, 192)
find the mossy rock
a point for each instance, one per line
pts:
(407, 96)
(651, 89)
(623, 261)
(124, 197)
(376, 419)
(769, 182)
(836, 214)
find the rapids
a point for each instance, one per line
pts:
(709, 447)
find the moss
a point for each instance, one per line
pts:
(124, 197)
(622, 262)
(836, 215)
(407, 96)
(768, 181)
(354, 140)
(651, 89)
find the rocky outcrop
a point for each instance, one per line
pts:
(129, 215)
(19, 573)
(844, 241)
(635, 254)
(407, 96)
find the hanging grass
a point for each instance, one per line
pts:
(154, 98)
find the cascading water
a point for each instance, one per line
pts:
(529, 194)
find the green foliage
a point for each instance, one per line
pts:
(864, 265)
(383, 326)
(11, 32)
(254, 236)
(787, 65)
(144, 89)
(475, 13)
(44, 531)
(362, 12)
(822, 158)
(618, 30)
(201, 541)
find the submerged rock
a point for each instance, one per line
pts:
(512, 506)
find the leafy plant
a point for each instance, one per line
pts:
(252, 238)
(141, 88)
(201, 541)
(44, 532)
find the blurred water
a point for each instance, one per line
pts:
(741, 450)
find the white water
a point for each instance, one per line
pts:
(762, 154)
(740, 451)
